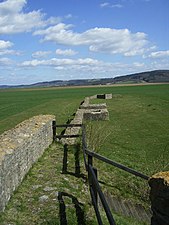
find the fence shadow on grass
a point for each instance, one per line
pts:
(77, 205)
(77, 172)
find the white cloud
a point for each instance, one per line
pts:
(108, 5)
(60, 62)
(10, 52)
(105, 40)
(13, 19)
(138, 64)
(41, 54)
(11, 6)
(86, 66)
(68, 16)
(159, 54)
(104, 4)
(53, 30)
(76, 68)
(117, 6)
(115, 41)
(66, 52)
(5, 44)
(5, 62)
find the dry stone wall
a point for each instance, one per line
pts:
(96, 114)
(94, 106)
(87, 111)
(19, 149)
(78, 119)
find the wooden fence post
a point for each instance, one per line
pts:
(90, 160)
(91, 182)
(64, 168)
(77, 160)
(54, 130)
(93, 186)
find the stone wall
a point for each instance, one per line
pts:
(96, 114)
(94, 106)
(20, 147)
(159, 196)
(78, 119)
(86, 111)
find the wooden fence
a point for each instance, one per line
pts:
(94, 186)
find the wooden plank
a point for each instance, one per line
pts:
(68, 125)
(118, 165)
(68, 136)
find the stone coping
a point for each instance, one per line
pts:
(163, 176)
(11, 139)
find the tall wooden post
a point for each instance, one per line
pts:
(93, 185)
(54, 130)
(64, 168)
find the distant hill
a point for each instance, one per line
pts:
(157, 76)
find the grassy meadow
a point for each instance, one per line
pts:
(136, 135)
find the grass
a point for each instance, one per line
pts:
(17, 105)
(38, 202)
(44, 181)
(136, 135)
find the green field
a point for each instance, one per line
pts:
(136, 135)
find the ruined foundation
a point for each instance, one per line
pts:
(86, 111)
(96, 114)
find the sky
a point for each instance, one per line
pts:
(45, 40)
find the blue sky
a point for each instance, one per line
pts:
(44, 40)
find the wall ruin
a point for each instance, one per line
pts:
(20, 148)
(87, 111)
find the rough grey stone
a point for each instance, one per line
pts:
(20, 147)
(43, 198)
(99, 114)
(88, 112)
(49, 189)
(34, 187)
(94, 106)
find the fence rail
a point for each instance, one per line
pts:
(94, 190)
(55, 136)
(93, 181)
(118, 165)
(67, 136)
(67, 125)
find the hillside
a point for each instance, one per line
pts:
(157, 76)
